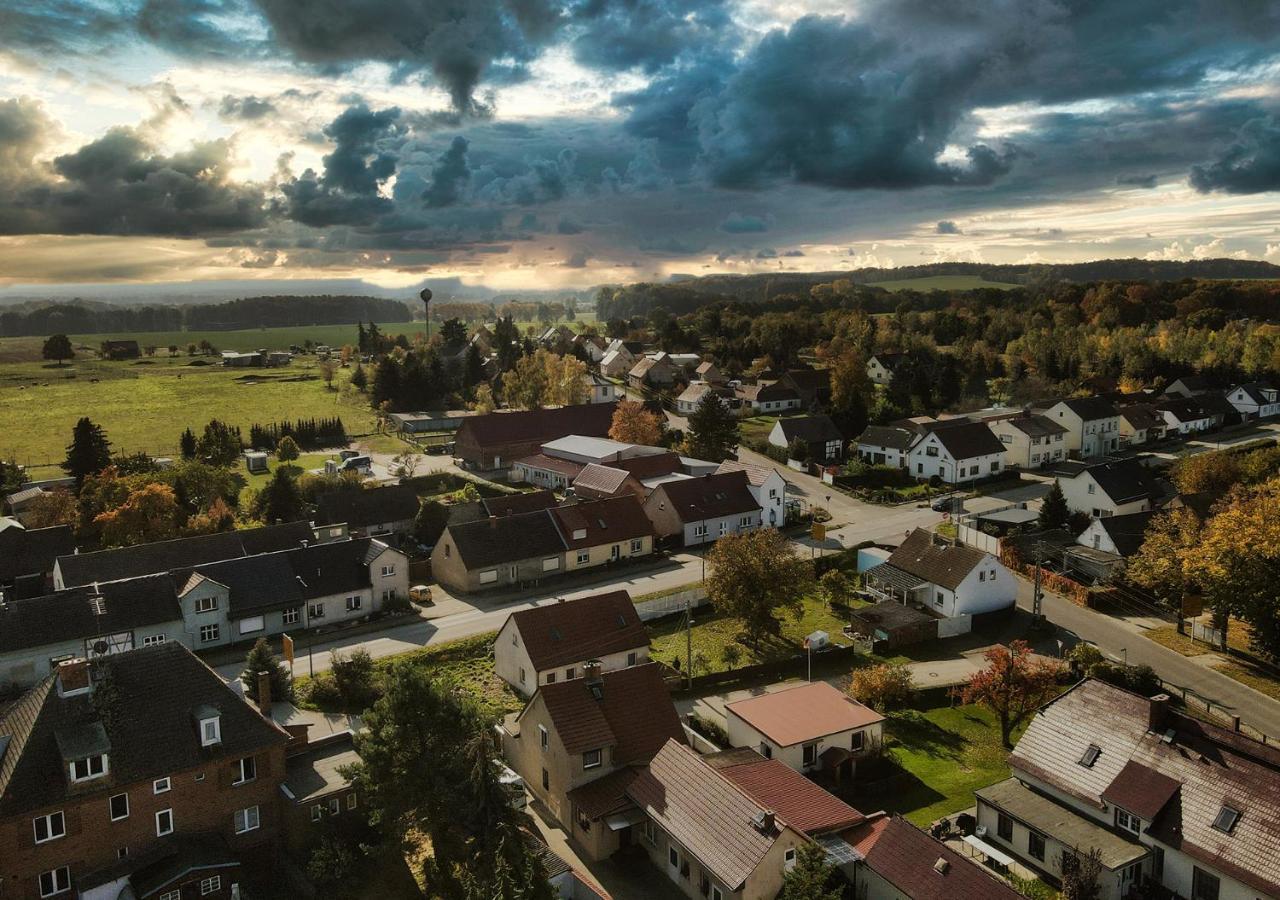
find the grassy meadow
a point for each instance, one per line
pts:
(943, 283)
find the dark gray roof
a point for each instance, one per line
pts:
(1127, 532)
(968, 439)
(255, 583)
(32, 551)
(887, 436)
(361, 508)
(313, 772)
(810, 428)
(503, 539)
(1091, 408)
(1034, 425)
(1125, 480)
(165, 556)
(149, 725)
(68, 615)
(509, 504)
(944, 565)
(1255, 391)
(542, 425)
(1142, 416)
(709, 496)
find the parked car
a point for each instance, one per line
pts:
(421, 595)
(946, 503)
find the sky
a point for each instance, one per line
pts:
(547, 144)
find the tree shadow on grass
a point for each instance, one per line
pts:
(912, 730)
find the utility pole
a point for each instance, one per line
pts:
(688, 639)
(1037, 594)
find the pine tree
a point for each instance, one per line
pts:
(359, 380)
(713, 430)
(187, 443)
(812, 877)
(262, 659)
(220, 444)
(280, 500)
(1054, 511)
(89, 451)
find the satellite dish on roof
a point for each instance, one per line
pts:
(100, 648)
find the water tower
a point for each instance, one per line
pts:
(425, 294)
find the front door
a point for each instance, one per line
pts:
(624, 838)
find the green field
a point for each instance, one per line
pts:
(145, 404)
(943, 283)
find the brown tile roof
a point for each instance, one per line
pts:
(906, 857)
(626, 709)
(606, 795)
(569, 633)
(705, 812)
(946, 566)
(709, 496)
(796, 800)
(1213, 766)
(603, 521)
(511, 504)
(506, 538)
(1140, 790)
(650, 466)
(804, 713)
(600, 479)
(564, 467)
(756, 475)
(541, 425)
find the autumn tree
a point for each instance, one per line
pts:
(328, 369)
(150, 514)
(851, 391)
(1013, 685)
(51, 508)
(89, 451)
(753, 575)
(837, 587)
(484, 402)
(1054, 511)
(634, 424)
(713, 432)
(58, 347)
(1164, 562)
(882, 687)
(525, 386)
(218, 517)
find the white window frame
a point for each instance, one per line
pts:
(489, 577)
(584, 557)
(542, 737)
(210, 885)
(388, 571)
(168, 811)
(335, 806)
(111, 810)
(291, 615)
(788, 859)
(597, 755)
(315, 610)
(243, 817)
(161, 785)
(700, 530)
(354, 603)
(208, 739)
(48, 820)
(171, 895)
(152, 639)
(88, 763)
(317, 812)
(637, 545)
(247, 773)
(58, 885)
(206, 604)
(352, 800)
(210, 633)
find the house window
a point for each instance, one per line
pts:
(246, 770)
(1091, 754)
(716, 894)
(210, 732)
(55, 882)
(673, 857)
(353, 604)
(291, 615)
(208, 633)
(858, 741)
(744, 522)
(160, 786)
(939, 599)
(315, 611)
(352, 801)
(766, 750)
(591, 759)
(50, 827)
(632, 658)
(551, 563)
(171, 895)
(1226, 819)
(317, 812)
(1093, 489)
(637, 546)
(210, 885)
(388, 571)
(724, 528)
(164, 822)
(1035, 845)
(335, 806)
(522, 674)
(1127, 821)
(252, 624)
(810, 753)
(568, 674)
(247, 819)
(122, 853)
(152, 639)
(700, 530)
(982, 576)
(489, 577)
(789, 859)
(1203, 885)
(546, 780)
(206, 604)
(89, 767)
(584, 557)
(551, 678)
(542, 736)
(995, 466)
(1004, 827)
(1129, 874)
(119, 807)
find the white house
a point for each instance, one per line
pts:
(956, 452)
(1121, 535)
(601, 390)
(1092, 423)
(880, 445)
(697, 511)
(1030, 440)
(1109, 488)
(1185, 415)
(951, 581)
(881, 366)
(768, 487)
(617, 360)
(1255, 400)
(552, 643)
(810, 728)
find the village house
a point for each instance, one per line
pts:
(1140, 423)
(793, 798)
(1194, 386)
(768, 487)
(23, 499)
(812, 385)
(696, 511)
(655, 372)
(314, 791)
(373, 512)
(491, 442)
(512, 504)
(592, 345)
(1108, 488)
(956, 451)
(1255, 401)
(885, 445)
(600, 390)
(1186, 415)
(27, 557)
(810, 728)
(1092, 423)
(1118, 535)
(881, 366)
(822, 440)
(708, 372)
(618, 359)
(576, 744)
(140, 774)
(767, 398)
(951, 581)
(1030, 440)
(598, 482)
(689, 399)
(1166, 798)
(545, 471)
(553, 642)
(603, 532)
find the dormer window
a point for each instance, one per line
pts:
(1091, 754)
(89, 768)
(1226, 819)
(210, 732)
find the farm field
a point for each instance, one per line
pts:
(943, 283)
(145, 404)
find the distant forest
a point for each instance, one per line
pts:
(78, 317)
(687, 295)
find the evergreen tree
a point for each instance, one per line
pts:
(386, 382)
(358, 378)
(1054, 511)
(287, 449)
(430, 522)
(187, 443)
(262, 659)
(812, 877)
(362, 339)
(89, 451)
(280, 500)
(713, 430)
(220, 444)
(472, 368)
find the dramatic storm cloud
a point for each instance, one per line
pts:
(526, 142)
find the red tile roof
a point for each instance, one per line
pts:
(569, 633)
(600, 479)
(1140, 790)
(550, 464)
(605, 795)
(633, 713)
(542, 425)
(607, 521)
(804, 713)
(796, 800)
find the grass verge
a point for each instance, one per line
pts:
(1250, 677)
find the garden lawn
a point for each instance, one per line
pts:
(712, 632)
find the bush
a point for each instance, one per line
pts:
(397, 604)
(709, 729)
(356, 679)
(321, 692)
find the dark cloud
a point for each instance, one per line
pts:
(793, 253)
(568, 226)
(449, 176)
(1250, 165)
(646, 34)
(248, 109)
(766, 253)
(946, 227)
(737, 223)
(1140, 181)
(577, 260)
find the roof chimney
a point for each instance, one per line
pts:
(73, 677)
(264, 693)
(764, 821)
(591, 669)
(1158, 712)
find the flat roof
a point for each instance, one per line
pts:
(799, 714)
(588, 446)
